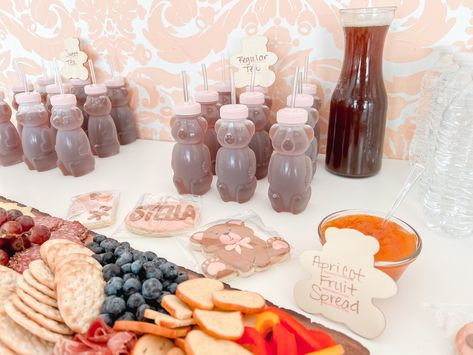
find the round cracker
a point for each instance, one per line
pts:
(44, 309)
(37, 285)
(4, 350)
(21, 319)
(41, 272)
(43, 321)
(41, 297)
(74, 257)
(47, 245)
(21, 340)
(8, 281)
(74, 265)
(80, 294)
(67, 249)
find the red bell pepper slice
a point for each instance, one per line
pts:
(253, 340)
(285, 341)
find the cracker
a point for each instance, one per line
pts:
(44, 309)
(41, 297)
(4, 350)
(37, 285)
(72, 266)
(49, 244)
(20, 340)
(74, 257)
(80, 294)
(8, 280)
(22, 320)
(41, 272)
(66, 249)
(43, 321)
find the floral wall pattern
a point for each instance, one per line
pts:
(152, 41)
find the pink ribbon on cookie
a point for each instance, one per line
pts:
(238, 244)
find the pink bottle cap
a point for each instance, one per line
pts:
(95, 89)
(30, 97)
(187, 108)
(257, 88)
(79, 82)
(63, 100)
(302, 100)
(21, 88)
(309, 89)
(292, 116)
(115, 82)
(54, 88)
(223, 86)
(44, 81)
(252, 98)
(234, 112)
(206, 96)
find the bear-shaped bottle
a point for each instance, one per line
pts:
(260, 144)
(72, 145)
(224, 91)
(10, 143)
(190, 156)
(305, 102)
(236, 162)
(101, 130)
(37, 137)
(208, 101)
(18, 89)
(311, 89)
(121, 112)
(41, 84)
(268, 101)
(52, 90)
(290, 169)
(77, 88)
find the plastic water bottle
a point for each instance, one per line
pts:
(448, 202)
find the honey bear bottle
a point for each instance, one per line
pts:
(236, 162)
(311, 89)
(72, 145)
(37, 137)
(52, 90)
(208, 102)
(190, 156)
(10, 143)
(18, 89)
(102, 131)
(260, 144)
(41, 84)
(121, 112)
(77, 88)
(290, 170)
(305, 102)
(224, 93)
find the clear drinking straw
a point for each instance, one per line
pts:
(253, 77)
(306, 69)
(184, 86)
(299, 84)
(58, 78)
(204, 75)
(294, 88)
(92, 71)
(21, 75)
(45, 69)
(232, 84)
(223, 68)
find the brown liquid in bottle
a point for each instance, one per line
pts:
(358, 106)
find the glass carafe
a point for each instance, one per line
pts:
(359, 103)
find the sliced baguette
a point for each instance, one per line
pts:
(176, 307)
(197, 293)
(180, 343)
(199, 343)
(150, 344)
(165, 320)
(148, 328)
(176, 351)
(221, 325)
(241, 301)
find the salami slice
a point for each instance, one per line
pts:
(53, 223)
(73, 228)
(21, 260)
(65, 235)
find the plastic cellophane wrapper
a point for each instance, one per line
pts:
(95, 209)
(239, 245)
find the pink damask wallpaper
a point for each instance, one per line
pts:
(154, 40)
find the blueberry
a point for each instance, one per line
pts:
(127, 316)
(93, 245)
(97, 249)
(114, 306)
(109, 244)
(151, 271)
(139, 255)
(181, 277)
(136, 266)
(159, 261)
(131, 285)
(126, 268)
(169, 270)
(125, 258)
(141, 311)
(114, 286)
(111, 270)
(134, 301)
(151, 289)
(150, 255)
(172, 288)
(107, 258)
(98, 257)
(108, 319)
(160, 298)
(121, 249)
(99, 238)
(130, 276)
(166, 284)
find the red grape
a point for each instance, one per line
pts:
(39, 234)
(3, 216)
(19, 243)
(4, 257)
(11, 227)
(13, 214)
(26, 222)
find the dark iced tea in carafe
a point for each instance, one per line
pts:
(359, 102)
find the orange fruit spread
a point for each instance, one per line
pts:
(395, 242)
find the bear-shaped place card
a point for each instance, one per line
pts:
(344, 281)
(74, 60)
(254, 52)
